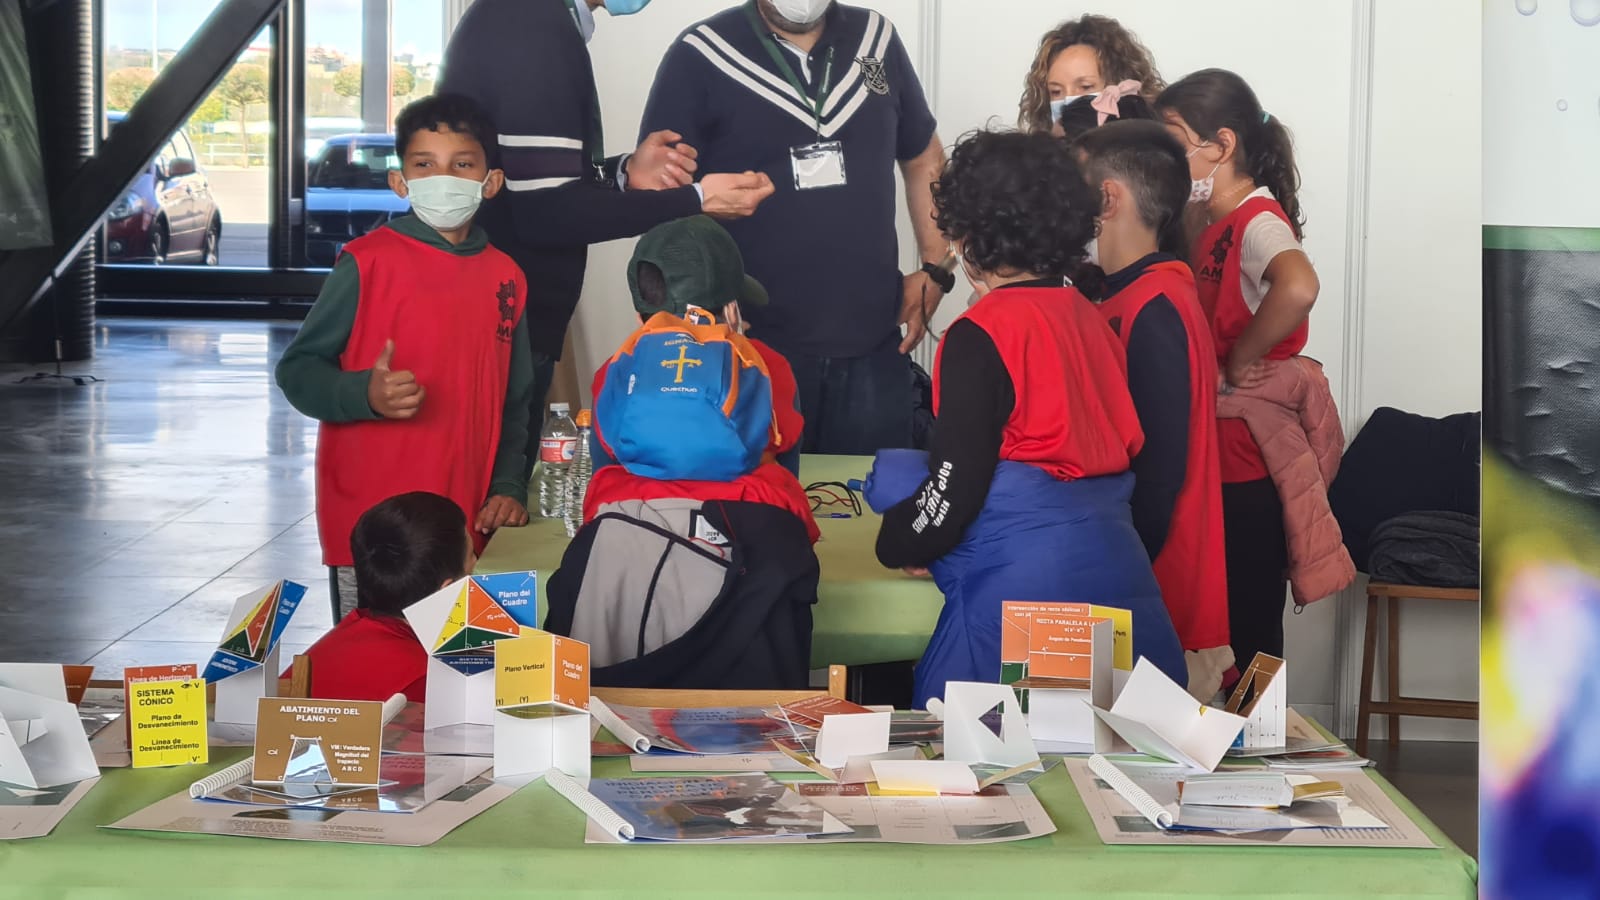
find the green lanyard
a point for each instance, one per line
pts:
(764, 34)
(595, 140)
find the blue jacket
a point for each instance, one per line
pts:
(1040, 540)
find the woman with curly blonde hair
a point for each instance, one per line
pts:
(1083, 56)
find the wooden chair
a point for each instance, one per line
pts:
(1387, 596)
(669, 698)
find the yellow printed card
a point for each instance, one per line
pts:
(167, 723)
(540, 667)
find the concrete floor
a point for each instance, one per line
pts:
(138, 508)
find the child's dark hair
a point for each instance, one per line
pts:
(1150, 161)
(1121, 55)
(1018, 202)
(1213, 99)
(455, 112)
(1080, 116)
(405, 548)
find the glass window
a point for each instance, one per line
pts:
(349, 147)
(223, 214)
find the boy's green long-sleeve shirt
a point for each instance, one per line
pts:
(315, 384)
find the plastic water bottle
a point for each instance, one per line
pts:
(577, 486)
(557, 445)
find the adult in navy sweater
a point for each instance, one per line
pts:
(821, 97)
(527, 63)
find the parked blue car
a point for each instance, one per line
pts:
(347, 193)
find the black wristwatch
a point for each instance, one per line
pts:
(944, 278)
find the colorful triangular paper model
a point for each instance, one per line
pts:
(245, 667)
(460, 624)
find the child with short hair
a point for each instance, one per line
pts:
(415, 357)
(691, 268)
(1139, 173)
(405, 549)
(1257, 287)
(1024, 494)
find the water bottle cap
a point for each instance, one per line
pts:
(560, 409)
(585, 417)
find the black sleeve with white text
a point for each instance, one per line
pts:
(976, 398)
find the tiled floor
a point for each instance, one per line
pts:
(138, 508)
(135, 510)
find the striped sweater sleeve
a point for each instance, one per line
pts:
(525, 63)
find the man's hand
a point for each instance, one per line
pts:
(915, 571)
(499, 512)
(393, 395)
(919, 300)
(730, 196)
(661, 163)
(1249, 375)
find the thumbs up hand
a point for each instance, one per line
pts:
(391, 394)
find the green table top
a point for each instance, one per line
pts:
(532, 844)
(864, 613)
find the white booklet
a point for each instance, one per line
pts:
(1155, 790)
(1136, 803)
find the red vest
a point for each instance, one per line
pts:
(1216, 265)
(1074, 417)
(369, 657)
(1191, 567)
(451, 319)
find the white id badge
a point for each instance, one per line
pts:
(818, 165)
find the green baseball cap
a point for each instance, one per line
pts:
(701, 264)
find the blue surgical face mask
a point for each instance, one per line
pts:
(445, 202)
(624, 7)
(1056, 106)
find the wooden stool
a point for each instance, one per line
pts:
(1395, 705)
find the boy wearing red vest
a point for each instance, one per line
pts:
(415, 357)
(692, 269)
(405, 548)
(1138, 171)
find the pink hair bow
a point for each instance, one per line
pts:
(1106, 103)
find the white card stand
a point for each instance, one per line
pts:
(457, 699)
(968, 740)
(559, 740)
(238, 695)
(1064, 715)
(1160, 719)
(848, 736)
(1262, 697)
(42, 742)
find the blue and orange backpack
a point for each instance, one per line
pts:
(686, 401)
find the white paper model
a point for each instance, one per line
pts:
(967, 739)
(541, 718)
(458, 626)
(245, 666)
(1161, 719)
(42, 741)
(1061, 711)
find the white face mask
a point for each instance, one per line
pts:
(1092, 251)
(445, 202)
(801, 12)
(1200, 188)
